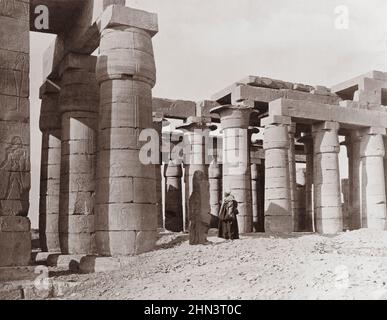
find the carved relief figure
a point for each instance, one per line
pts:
(7, 7)
(12, 169)
(84, 200)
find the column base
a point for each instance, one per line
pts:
(15, 241)
(329, 226)
(279, 224)
(8, 274)
(96, 264)
(68, 262)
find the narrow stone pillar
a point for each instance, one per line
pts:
(235, 122)
(327, 195)
(278, 216)
(15, 236)
(345, 190)
(373, 188)
(158, 122)
(50, 125)
(292, 171)
(215, 179)
(256, 188)
(300, 217)
(196, 140)
(173, 197)
(78, 101)
(126, 216)
(354, 166)
(307, 140)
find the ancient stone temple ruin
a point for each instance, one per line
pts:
(273, 144)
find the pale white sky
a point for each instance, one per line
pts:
(204, 46)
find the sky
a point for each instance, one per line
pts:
(203, 46)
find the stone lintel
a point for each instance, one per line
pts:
(194, 122)
(359, 80)
(77, 61)
(175, 109)
(276, 119)
(310, 112)
(48, 87)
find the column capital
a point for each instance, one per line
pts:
(193, 123)
(72, 60)
(49, 112)
(325, 126)
(372, 145)
(120, 16)
(276, 120)
(173, 170)
(234, 116)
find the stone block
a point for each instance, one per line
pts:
(115, 190)
(126, 217)
(14, 34)
(116, 243)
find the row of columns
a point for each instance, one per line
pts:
(96, 195)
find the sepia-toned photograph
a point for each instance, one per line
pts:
(193, 150)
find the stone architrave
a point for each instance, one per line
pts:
(15, 236)
(327, 194)
(50, 125)
(235, 120)
(78, 102)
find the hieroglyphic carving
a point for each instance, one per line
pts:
(84, 203)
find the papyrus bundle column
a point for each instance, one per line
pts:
(373, 188)
(126, 216)
(278, 216)
(78, 101)
(196, 142)
(50, 125)
(15, 237)
(235, 122)
(327, 195)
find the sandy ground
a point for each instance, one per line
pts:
(352, 265)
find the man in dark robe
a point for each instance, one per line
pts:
(228, 223)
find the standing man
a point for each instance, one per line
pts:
(228, 223)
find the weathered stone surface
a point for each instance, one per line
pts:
(327, 194)
(15, 241)
(173, 197)
(373, 188)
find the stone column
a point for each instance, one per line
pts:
(292, 171)
(126, 215)
(373, 188)
(354, 166)
(215, 179)
(50, 125)
(235, 120)
(196, 140)
(158, 121)
(78, 101)
(278, 216)
(327, 195)
(15, 237)
(256, 188)
(173, 197)
(307, 140)
(300, 217)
